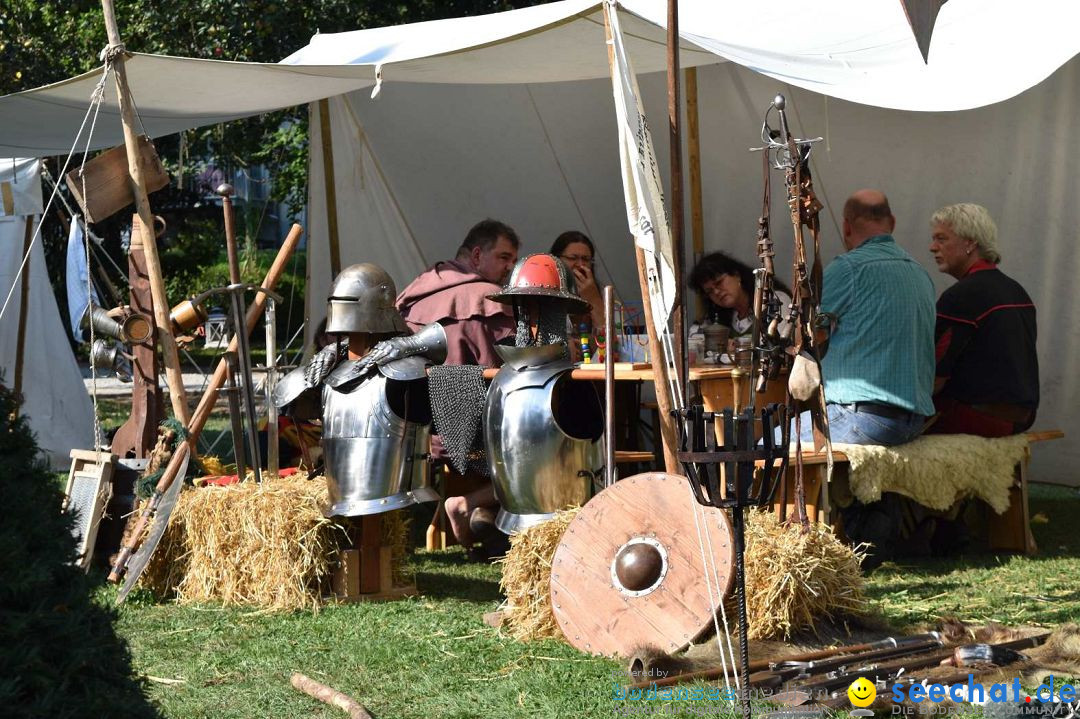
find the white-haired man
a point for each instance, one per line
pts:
(987, 380)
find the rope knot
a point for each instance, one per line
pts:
(109, 53)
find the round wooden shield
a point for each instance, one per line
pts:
(629, 568)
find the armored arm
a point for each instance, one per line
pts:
(308, 377)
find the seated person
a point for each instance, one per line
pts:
(727, 288)
(578, 253)
(987, 380)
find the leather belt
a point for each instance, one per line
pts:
(880, 410)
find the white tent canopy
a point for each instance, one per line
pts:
(55, 401)
(510, 115)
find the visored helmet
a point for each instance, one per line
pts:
(362, 300)
(542, 276)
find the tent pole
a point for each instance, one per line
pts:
(697, 218)
(678, 308)
(24, 297)
(173, 371)
(331, 189)
(666, 430)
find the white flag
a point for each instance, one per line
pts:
(642, 189)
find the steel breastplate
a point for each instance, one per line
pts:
(544, 439)
(375, 459)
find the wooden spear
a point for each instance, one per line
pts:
(173, 373)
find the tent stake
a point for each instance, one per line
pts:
(173, 372)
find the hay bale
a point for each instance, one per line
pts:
(795, 580)
(265, 545)
(526, 579)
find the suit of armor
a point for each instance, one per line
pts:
(375, 409)
(544, 436)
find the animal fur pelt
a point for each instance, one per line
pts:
(937, 470)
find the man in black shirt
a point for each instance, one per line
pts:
(987, 368)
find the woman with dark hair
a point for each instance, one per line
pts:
(577, 252)
(727, 288)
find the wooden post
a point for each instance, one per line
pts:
(331, 188)
(138, 434)
(660, 376)
(678, 309)
(173, 373)
(697, 218)
(24, 297)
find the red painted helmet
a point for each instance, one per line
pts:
(543, 276)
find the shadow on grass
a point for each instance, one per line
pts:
(449, 574)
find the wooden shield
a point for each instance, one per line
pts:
(629, 569)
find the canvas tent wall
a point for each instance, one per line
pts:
(509, 115)
(55, 400)
(419, 165)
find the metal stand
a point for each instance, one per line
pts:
(740, 470)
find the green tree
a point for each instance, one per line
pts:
(44, 42)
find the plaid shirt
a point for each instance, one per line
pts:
(882, 349)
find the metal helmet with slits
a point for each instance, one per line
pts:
(362, 300)
(545, 277)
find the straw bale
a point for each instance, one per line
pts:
(526, 578)
(795, 580)
(265, 544)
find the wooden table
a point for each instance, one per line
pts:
(720, 386)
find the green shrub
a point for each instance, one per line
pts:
(59, 653)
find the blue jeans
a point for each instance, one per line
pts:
(849, 427)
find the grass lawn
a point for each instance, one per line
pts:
(433, 657)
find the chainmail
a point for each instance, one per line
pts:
(551, 329)
(323, 362)
(458, 395)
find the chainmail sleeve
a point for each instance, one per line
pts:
(458, 394)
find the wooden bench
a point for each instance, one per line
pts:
(1010, 532)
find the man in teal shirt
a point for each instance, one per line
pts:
(879, 365)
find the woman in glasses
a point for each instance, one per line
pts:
(727, 286)
(576, 250)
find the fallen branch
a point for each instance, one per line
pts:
(329, 695)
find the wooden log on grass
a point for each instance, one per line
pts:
(329, 695)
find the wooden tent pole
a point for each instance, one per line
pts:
(24, 297)
(656, 350)
(173, 372)
(331, 188)
(693, 139)
(678, 309)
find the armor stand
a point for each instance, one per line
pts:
(365, 573)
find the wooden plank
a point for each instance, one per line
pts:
(370, 546)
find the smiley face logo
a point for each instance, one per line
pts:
(862, 692)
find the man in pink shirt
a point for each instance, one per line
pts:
(454, 294)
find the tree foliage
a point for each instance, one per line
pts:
(44, 42)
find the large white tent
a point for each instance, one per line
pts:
(55, 402)
(510, 115)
